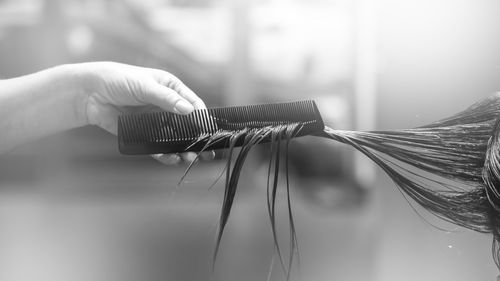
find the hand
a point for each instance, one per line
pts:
(118, 88)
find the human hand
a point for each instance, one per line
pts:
(113, 89)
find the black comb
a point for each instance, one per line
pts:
(165, 132)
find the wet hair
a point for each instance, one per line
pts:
(450, 167)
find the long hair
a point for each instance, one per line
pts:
(450, 167)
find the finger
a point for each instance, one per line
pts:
(167, 159)
(171, 81)
(207, 155)
(103, 115)
(166, 98)
(188, 157)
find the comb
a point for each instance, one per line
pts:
(165, 132)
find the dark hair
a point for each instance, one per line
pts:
(450, 167)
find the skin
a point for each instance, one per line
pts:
(96, 93)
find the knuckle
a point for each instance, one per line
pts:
(199, 103)
(171, 81)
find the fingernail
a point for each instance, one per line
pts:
(207, 155)
(183, 107)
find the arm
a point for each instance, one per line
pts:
(38, 105)
(75, 95)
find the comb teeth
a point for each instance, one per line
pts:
(165, 132)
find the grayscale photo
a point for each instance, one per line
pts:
(249, 140)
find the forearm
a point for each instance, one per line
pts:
(41, 104)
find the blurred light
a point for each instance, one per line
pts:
(79, 40)
(307, 41)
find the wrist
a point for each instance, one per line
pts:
(80, 81)
(43, 103)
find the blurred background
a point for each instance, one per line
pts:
(73, 208)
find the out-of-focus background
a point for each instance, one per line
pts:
(73, 208)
